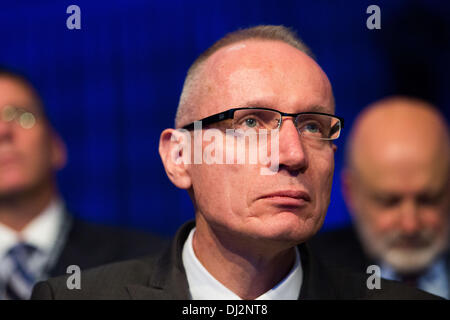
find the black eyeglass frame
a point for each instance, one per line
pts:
(229, 114)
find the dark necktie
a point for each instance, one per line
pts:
(19, 283)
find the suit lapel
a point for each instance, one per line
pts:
(168, 279)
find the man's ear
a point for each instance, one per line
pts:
(58, 151)
(174, 149)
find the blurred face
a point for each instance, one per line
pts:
(27, 156)
(290, 205)
(400, 199)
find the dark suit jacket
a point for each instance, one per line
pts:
(90, 245)
(162, 276)
(341, 248)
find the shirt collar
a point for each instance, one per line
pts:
(41, 232)
(203, 286)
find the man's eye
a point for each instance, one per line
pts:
(389, 202)
(312, 127)
(429, 200)
(251, 122)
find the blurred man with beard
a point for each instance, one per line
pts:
(396, 185)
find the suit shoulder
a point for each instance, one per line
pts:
(331, 237)
(354, 285)
(401, 291)
(340, 248)
(112, 243)
(114, 233)
(104, 282)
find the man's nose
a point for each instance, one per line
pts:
(409, 217)
(293, 155)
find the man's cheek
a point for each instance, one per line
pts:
(434, 217)
(382, 223)
(324, 166)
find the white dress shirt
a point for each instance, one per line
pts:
(203, 286)
(42, 233)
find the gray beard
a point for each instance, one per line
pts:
(402, 260)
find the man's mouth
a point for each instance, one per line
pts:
(288, 197)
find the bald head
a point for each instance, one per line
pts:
(33, 98)
(397, 182)
(398, 133)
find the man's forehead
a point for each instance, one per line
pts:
(389, 132)
(271, 72)
(235, 47)
(253, 52)
(399, 165)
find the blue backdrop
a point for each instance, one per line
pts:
(113, 86)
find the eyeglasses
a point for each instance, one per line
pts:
(24, 118)
(315, 125)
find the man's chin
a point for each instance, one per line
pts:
(12, 190)
(293, 231)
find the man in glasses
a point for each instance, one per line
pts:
(253, 88)
(38, 237)
(396, 184)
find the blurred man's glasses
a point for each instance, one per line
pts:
(24, 118)
(314, 125)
